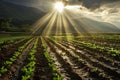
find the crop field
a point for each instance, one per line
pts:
(95, 57)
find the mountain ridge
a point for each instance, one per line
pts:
(19, 13)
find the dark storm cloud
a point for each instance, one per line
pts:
(93, 4)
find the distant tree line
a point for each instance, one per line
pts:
(7, 25)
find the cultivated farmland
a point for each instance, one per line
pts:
(95, 57)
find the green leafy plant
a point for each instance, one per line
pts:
(9, 62)
(3, 70)
(29, 69)
(50, 63)
(110, 51)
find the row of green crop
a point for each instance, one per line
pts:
(8, 43)
(9, 62)
(11, 39)
(56, 76)
(92, 70)
(104, 42)
(111, 51)
(29, 69)
(102, 36)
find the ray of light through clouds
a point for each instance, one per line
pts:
(71, 19)
(106, 13)
(111, 13)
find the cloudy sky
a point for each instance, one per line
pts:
(96, 3)
(104, 10)
(46, 5)
(101, 10)
(87, 3)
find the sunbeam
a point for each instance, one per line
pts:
(41, 22)
(50, 24)
(71, 20)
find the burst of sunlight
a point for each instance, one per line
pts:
(59, 6)
(75, 19)
(58, 22)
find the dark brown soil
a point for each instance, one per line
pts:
(8, 51)
(42, 70)
(13, 70)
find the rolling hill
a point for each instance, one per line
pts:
(23, 14)
(96, 26)
(19, 13)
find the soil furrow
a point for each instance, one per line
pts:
(81, 65)
(108, 70)
(42, 69)
(64, 64)
(13, 71)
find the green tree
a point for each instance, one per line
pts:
(5, 24)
